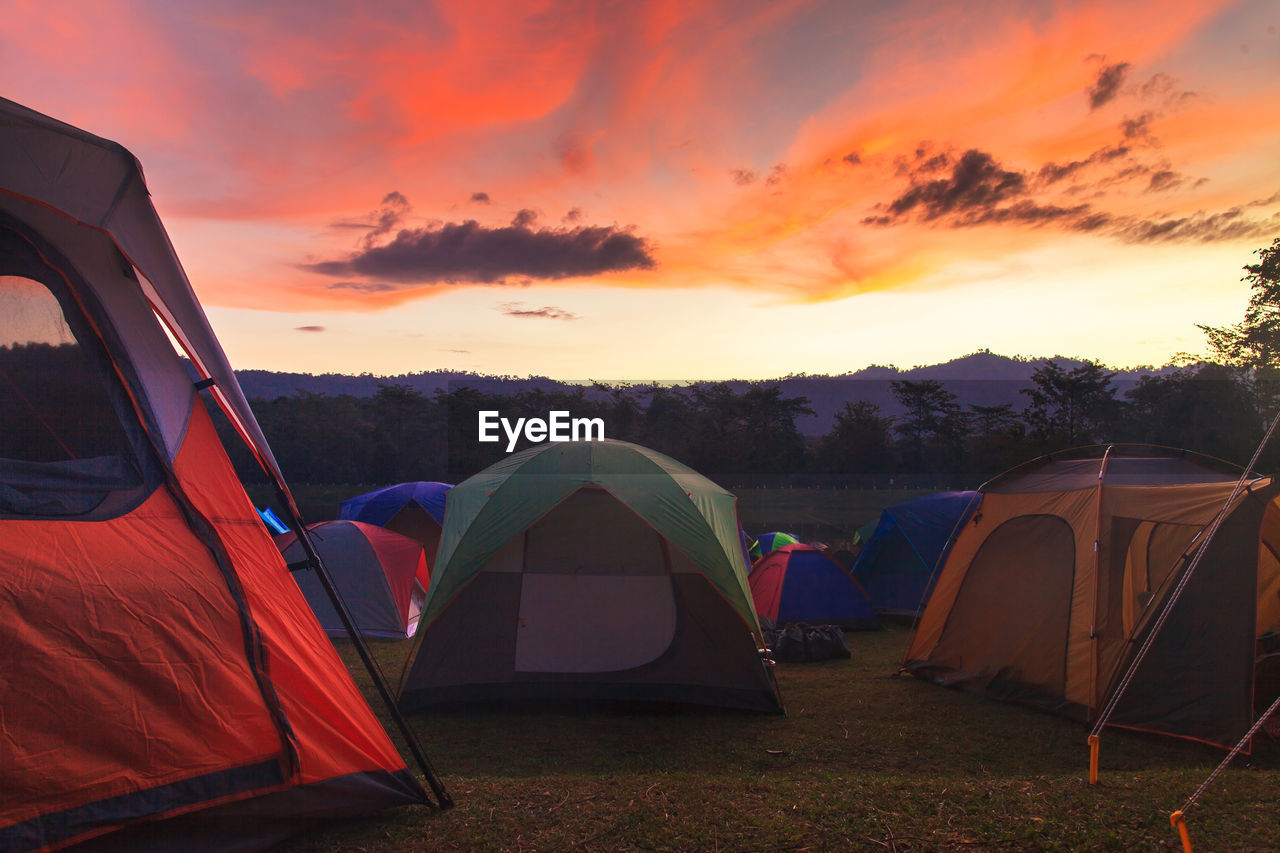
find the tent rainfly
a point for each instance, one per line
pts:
(1052, 586)
(800, 583)
(382, 576)
(590, 571)
(414, 509)
(767, 542)
(165, 685)
(897, 563)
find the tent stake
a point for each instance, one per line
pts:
(1179, 821)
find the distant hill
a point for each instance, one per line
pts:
(268, 385)
(981, 378)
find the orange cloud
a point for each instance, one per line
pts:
(637, 114)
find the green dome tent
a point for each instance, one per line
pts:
(589, 571)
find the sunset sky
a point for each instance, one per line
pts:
(684, 190)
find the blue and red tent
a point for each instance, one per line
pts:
(799, 583)
(381, 505)
(414, 509)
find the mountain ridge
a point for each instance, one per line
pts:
(981, 378)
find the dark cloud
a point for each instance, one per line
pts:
(1201, 227)
(390, 214)
(1052, 173)
(480, 198)
(309, 328)
(1108, 83)
(1128, 173)
(1027, 212)
(1091, 221)
(395, 207)
(363, 286)
(574, 215)
(976, 182)
(471, 252)
(1164, 89)
(777, 174)
(546, 312)
(923, 161)
(1138, 127)
(743, 177)
(1274, 198)
(853, 158)
(1165, 179)
(524, 218)
(978, 190)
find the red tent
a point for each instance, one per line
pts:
(382, 575)
(165, 684)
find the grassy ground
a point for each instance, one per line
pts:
(863, 761)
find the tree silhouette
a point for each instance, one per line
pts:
(933, 429)
(1071, 407)
(1253, 344)
(860, 442)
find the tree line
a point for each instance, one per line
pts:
(1220, 407)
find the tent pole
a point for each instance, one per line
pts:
(1099, 518)
(443, 799)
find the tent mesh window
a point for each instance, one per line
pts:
(63, 446)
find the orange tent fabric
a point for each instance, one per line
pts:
(165, 684)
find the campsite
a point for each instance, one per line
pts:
(482, 599)
(863, 761)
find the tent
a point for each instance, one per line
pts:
(382, 576)
(165, 685)
(766, 542)
(415, 509)
(1052, 586)
(897, 562)
(799, 583)
(594, 570)
(273, 522)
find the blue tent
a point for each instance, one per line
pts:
(799, 583)
(414, 509)
(896, 566)
(380, 506)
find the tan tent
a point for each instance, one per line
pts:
(1057, 578)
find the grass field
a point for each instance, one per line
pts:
(862, 761)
